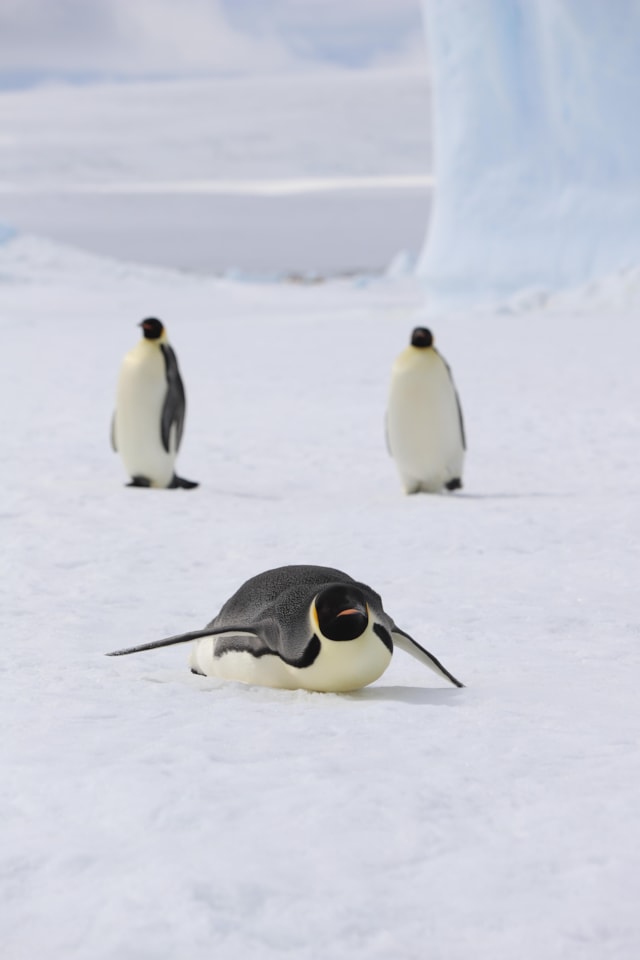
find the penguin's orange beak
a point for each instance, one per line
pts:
(346, 613)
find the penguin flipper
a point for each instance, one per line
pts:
(173, 410)
(386, 434)
(210, 631)
(410, 646)
(260, 639)
(463, 436)
(113, 434)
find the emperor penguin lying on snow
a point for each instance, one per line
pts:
(300, 627)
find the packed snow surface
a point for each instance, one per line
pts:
(150, 813)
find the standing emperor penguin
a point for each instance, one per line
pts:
(147, 425)
(425, 429)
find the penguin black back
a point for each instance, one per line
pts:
(283, 589)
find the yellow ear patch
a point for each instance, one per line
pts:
(314, 617)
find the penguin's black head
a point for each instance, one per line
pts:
(421, 337)
(151, 328)
(342, 612)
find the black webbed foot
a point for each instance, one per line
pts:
(180, 482)
(139, 482)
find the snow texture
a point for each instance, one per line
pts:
(537, 144)
(149, 813)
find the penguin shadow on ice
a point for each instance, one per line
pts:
(300, 627)
(147, 426)
(424, 425)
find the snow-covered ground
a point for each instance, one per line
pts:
(149, 813)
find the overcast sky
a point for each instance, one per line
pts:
(78, 39)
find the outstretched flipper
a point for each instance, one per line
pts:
(409, 645)
(260, 639)
(250, 634)
(173, 410)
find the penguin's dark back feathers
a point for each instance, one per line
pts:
(284, 594)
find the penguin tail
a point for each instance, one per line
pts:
(181, 483)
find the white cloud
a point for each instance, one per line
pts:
(356, 32)
(143, 37)
(131, 37)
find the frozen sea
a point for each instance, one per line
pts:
(225, 176)
(150, 813)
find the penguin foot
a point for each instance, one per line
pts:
(455, 484)
(198, 673)
(139, 482)
(180, 482)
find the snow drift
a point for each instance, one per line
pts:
(536, 144)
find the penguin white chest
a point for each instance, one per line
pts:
(344, 666)
(423, 421)
(142, 388)
(339, 667)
